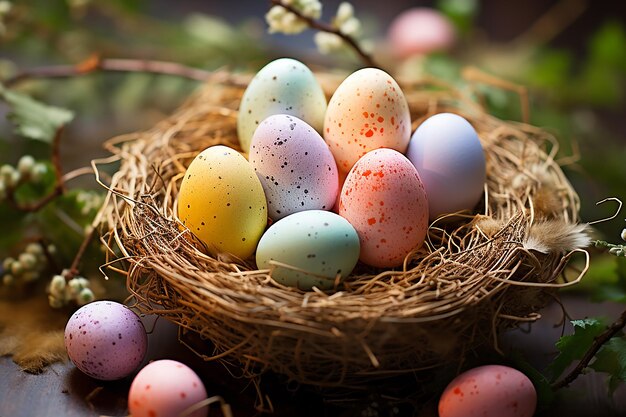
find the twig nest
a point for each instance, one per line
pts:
(475, 275)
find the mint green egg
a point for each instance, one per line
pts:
(309, 249)
(284, 86)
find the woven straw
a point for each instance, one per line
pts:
(476, 275)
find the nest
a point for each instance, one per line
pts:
(475, 276)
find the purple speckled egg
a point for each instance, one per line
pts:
(105, 340)
(296, 167)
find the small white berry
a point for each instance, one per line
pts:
(25, 165)
(34, 248)
(55, 302)
(57, 284)
(38, 172)
(6, 264)
(624, 234)
(17, 268)
(28, 260)
(85, 296)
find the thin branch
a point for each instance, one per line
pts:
(59, 185)
(598, 342)
(323, 27)
(96, 64)
(73, 270)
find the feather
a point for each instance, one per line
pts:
(557, 236)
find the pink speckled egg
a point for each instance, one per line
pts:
(384, 199)
(295, 166)
(166, 388)
(105, 340)
(489, 391)
(367, 111)
(420, 30)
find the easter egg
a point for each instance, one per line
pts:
(295, 166)
(105, 340)
(367, 111)
(309, 248)
(447, 153)
(166, 388)
(420, 30)
(221, 201)
(284, 86)
(489, 391)
(384, 199)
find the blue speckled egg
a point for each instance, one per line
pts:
(105, 340)
(309, 248)
(283, 86)
(295, 166)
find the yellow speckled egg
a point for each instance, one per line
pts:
(367, 111)
(222, 202)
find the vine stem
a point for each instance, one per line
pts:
(73, 269)
(598, 342)
(94, 64)
(324, 27)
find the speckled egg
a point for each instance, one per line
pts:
(221, 201)
(284, 86)
(166, 388)
(295, 166)
(489, 391)
(384, 199)
(105, 340)
(318, 247)
(367, 111)
(447, 153)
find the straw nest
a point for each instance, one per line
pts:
(476, 275)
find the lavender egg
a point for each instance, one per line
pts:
(296, 167)
(105, 340)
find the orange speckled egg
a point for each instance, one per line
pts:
(489, 391)
(367, 111)
(384, 199)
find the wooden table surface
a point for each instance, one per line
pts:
(62, 390)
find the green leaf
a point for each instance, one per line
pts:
(612, 359)
(33, 119)
(573, 347)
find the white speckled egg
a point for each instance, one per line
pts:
(166, 388)
(367, 111)
(448, 155)
(105, 340)
(319, 245)
(221, 201)
(295, 166)
(489, 391)
(384, 199)
(284, 86)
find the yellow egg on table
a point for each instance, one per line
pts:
(222, 202)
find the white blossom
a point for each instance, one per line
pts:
(327, 42)
(281, 20)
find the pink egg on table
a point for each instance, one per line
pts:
(105, 340)
(489, 391)
(384, 199)
(420, 30)
(166, 388)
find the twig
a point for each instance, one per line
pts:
(323, 27)
(73, 270)
(95, 64)
(598, 342)
(59, 186)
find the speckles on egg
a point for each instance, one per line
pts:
(105, 340)
(166, 388)
(284, 86)
(222, 202)
(295, 166)
(312, 248)
(384, 199)
(367, 111)
(489, 391)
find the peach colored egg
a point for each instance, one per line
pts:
(294, 165)
(166, 388)
(367, 111)
(489, 391)
(384, 199)
(420, 30)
